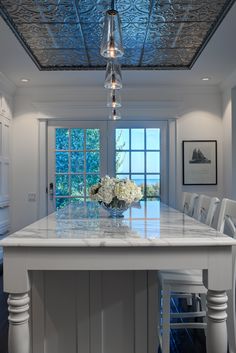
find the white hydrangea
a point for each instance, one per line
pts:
(111, 190)
(128, 191)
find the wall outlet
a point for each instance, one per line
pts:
(32, 196)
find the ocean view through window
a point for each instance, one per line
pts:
(138, 158)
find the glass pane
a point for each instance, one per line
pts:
(61, 202)
(62, 139)
(153, 139)
(153, 162)
(139, 180)
(77, 200)
(122, 139)
(153, 186)
(138, 212)
(77, 139)
(62, 185)
(137, 162)
(153, 209)
(92, 162)
(122, 176)
(137, 139)
(62, 162)
(91, 180)
(122, 162)
(92, 139)
(77, 185)
(77, 162)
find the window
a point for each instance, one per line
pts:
(77, 163)
(138, 158)
(80, 152)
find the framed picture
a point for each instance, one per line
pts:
(199, 162)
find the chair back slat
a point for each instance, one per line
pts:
(189, 202)
(227, 218)
(206, 209)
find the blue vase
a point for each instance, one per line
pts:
(115, 212)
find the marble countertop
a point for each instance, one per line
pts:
(151, 224)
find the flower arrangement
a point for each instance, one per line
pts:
(115, 193)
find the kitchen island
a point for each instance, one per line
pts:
(92, 279)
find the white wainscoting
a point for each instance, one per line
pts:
(93, 312)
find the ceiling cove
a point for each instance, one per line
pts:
(157, 34)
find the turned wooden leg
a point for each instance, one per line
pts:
(216, 322)
(19, 336)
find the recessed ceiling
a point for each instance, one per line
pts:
(157, 34)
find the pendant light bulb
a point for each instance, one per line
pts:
(113, 78)
(111, 45)
(112, 48)
(115, 115)
(113, 101)
(113, 81)
(113, 98)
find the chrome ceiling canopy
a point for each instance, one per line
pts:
(157, 34)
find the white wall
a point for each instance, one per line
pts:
(227, 138)
(25, 165)
(229, 134)
(6, 93)
(199, 117)
(201, 121)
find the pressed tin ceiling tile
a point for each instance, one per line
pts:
(46, 36)
(186, 11)
(60, 58)
(168, 57)
(157, 34)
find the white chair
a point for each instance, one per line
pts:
(206, 209)
(189, 203)
(180, 283)
(227, 224)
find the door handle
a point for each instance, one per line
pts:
(51, 191)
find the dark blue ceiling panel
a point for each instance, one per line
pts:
(157, 34)
(61, 57)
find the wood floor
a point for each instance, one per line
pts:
(182, 341)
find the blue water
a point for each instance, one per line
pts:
(149, 181)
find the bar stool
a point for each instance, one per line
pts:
(227, 224)
(184, 283)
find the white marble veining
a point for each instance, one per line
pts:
(153, 224)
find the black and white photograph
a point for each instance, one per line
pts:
(199, 162)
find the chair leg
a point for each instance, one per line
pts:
(203, 308)
(165, 319)
(189, 301)
(159, 313)
(231, 327)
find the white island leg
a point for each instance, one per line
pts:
(216, 322)
(19, 336)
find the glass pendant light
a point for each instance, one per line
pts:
(115, 115)
(111, 45)
(113, 78)
(113, 98)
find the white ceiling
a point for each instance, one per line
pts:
(218, 61)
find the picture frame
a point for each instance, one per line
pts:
(199, 162)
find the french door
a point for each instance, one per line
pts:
(77, 158)
(138, 151)
(80, 152)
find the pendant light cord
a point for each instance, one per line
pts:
(113, 4)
